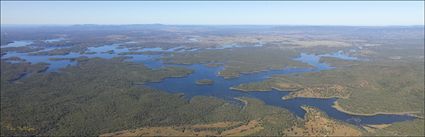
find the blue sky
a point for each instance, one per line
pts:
(362, 13)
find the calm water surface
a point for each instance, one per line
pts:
(221, 86)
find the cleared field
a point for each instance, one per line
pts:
(316, 123)
(213, 129)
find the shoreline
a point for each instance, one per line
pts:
(243, 90)
(339, 108)
(243, 101)
(259, 71)
(262, 90)
(283, 98)
(294, 97)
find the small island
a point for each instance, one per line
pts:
(204, 82)
(109, 52)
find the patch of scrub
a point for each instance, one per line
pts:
(205, 82)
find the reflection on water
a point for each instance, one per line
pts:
(54, 40)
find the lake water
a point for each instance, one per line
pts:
(17, 44)
(221, 86)
(221, 89)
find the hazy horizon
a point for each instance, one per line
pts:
(289, 25)
(289, 13)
